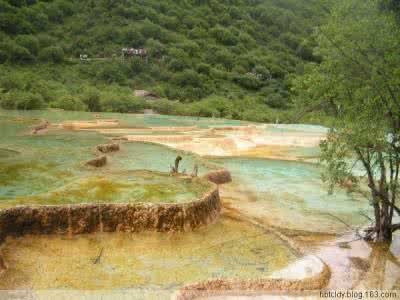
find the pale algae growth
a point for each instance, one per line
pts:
(228, 249)
(128, 187)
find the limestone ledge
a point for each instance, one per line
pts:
(305, 275)
(89, 218)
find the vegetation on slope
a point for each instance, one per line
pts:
(227, 58)
(357, 83)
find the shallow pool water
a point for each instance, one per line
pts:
(49, 168)
(122, 187)
(287, 194)
(227, 249)
(290, 195)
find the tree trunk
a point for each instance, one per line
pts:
(384, 223)
(383, 220)
(384, 235)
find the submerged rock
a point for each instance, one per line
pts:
(106, 148)
(219, 176)
(43, 125)
(97, 162)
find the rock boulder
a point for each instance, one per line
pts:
(97, 162)
(219, 176)
(106, 148)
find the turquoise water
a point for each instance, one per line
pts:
(33, 165)
(289, 194)
(40, 163)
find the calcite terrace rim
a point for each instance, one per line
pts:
(108, 217)
(210, 197)
(258, 287)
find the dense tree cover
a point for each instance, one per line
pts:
(201, 53)
(358, 83)
(393, 5)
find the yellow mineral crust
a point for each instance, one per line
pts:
(247, 140)
(100, 123)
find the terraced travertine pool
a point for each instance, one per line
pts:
(148, 260)
(275, 178)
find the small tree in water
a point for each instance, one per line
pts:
(358, 83)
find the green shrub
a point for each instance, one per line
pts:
(53, 54)
(198, 33)
(150, 30)
(248, 81)
(136, 65)
(204, 69)
(164, 106)
(45, 40)
(16, 53)
(177, 65)
(91, 98)
(188, 77)
(119, 101)
(202, 110)
(22, 100)
(155, 48)
(3, 56)
(220, 57)
(69, 102)
(37, 18)
(195, 49)
(29, 42)
(256, 115)
(215, 107)
(111, 72)
(131, 37)
(276, 100)
(45, 88)
(15, 23)
(13, 81)
(224, 36)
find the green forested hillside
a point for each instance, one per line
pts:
(227, 58)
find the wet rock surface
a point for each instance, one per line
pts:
(87, 218)
(97, 162)
(42, 126)
(219, 176)
(237, 288)
(106, 148)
